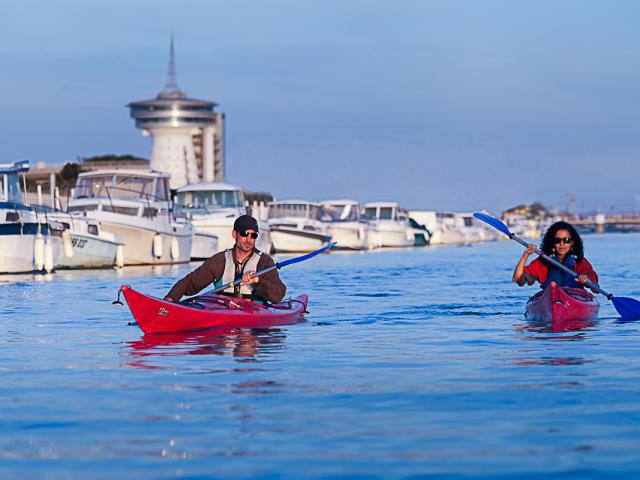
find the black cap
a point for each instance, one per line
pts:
(244, 223)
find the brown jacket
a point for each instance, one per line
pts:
(269, 287)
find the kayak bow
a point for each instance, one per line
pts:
(562, 304)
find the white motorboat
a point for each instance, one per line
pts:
(476, 230)
(136, 206)
(212, 208)
(294, 226)
(389, 224)
(452, 228)
(91, 247)
(524, 226)
(29, 242)
(346, 226)
(442, 226)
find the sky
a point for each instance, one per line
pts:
(447, 105)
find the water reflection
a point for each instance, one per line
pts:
(245, 344)
(564, 326)
(553, 361)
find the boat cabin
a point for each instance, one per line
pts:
(10, 188)
(210, 197)
(384, 211)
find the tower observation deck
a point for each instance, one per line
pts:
(187, 134)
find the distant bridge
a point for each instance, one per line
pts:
(601, 223)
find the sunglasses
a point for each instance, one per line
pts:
(565, 240)
(246, 234)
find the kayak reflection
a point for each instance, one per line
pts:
(558, 326)
(246, 344)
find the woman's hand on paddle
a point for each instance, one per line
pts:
(519, 275)
(583, 279)
(248, 278)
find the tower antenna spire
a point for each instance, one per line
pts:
(171, 89)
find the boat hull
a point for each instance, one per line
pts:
(295, 240)
(391, 234)
(139, 244)
(209, 311)
(562, 305)
(350, 235)
(17, 254)
(90, 251)
(204, 245)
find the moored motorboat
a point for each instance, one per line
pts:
(562, 304)
(212, 207)
(90, 246)
(389, 225)
(154, 315)
(136, 206)
(345, 225)
(295, 226)
(29, 241)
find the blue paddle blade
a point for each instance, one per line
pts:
(494, 222)
(305, 257)
(628, 308)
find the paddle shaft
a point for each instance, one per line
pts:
(589, 283)
(239, 279)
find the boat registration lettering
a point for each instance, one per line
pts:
(78, 242)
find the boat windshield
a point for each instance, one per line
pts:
(129, 187)
(370, 213)
(10, 188)
(296, 210)
(385, 213)
(208, 201)
(340, 213)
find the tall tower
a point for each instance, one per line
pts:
(187, 134)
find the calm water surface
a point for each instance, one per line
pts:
(413, 363)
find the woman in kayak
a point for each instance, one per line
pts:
(562, 242)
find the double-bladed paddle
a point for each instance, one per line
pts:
(278, 265)
(628, 308)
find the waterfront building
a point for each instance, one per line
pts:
(187, 134)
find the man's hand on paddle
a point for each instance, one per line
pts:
(248, 278)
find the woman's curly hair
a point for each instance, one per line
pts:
(577, 248)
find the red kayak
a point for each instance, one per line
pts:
(210, 311)
(562, 305)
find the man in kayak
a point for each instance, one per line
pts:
(243, 260)
(562, 242)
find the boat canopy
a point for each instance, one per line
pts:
(122, 185)
(336, 212)
(295, 209)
